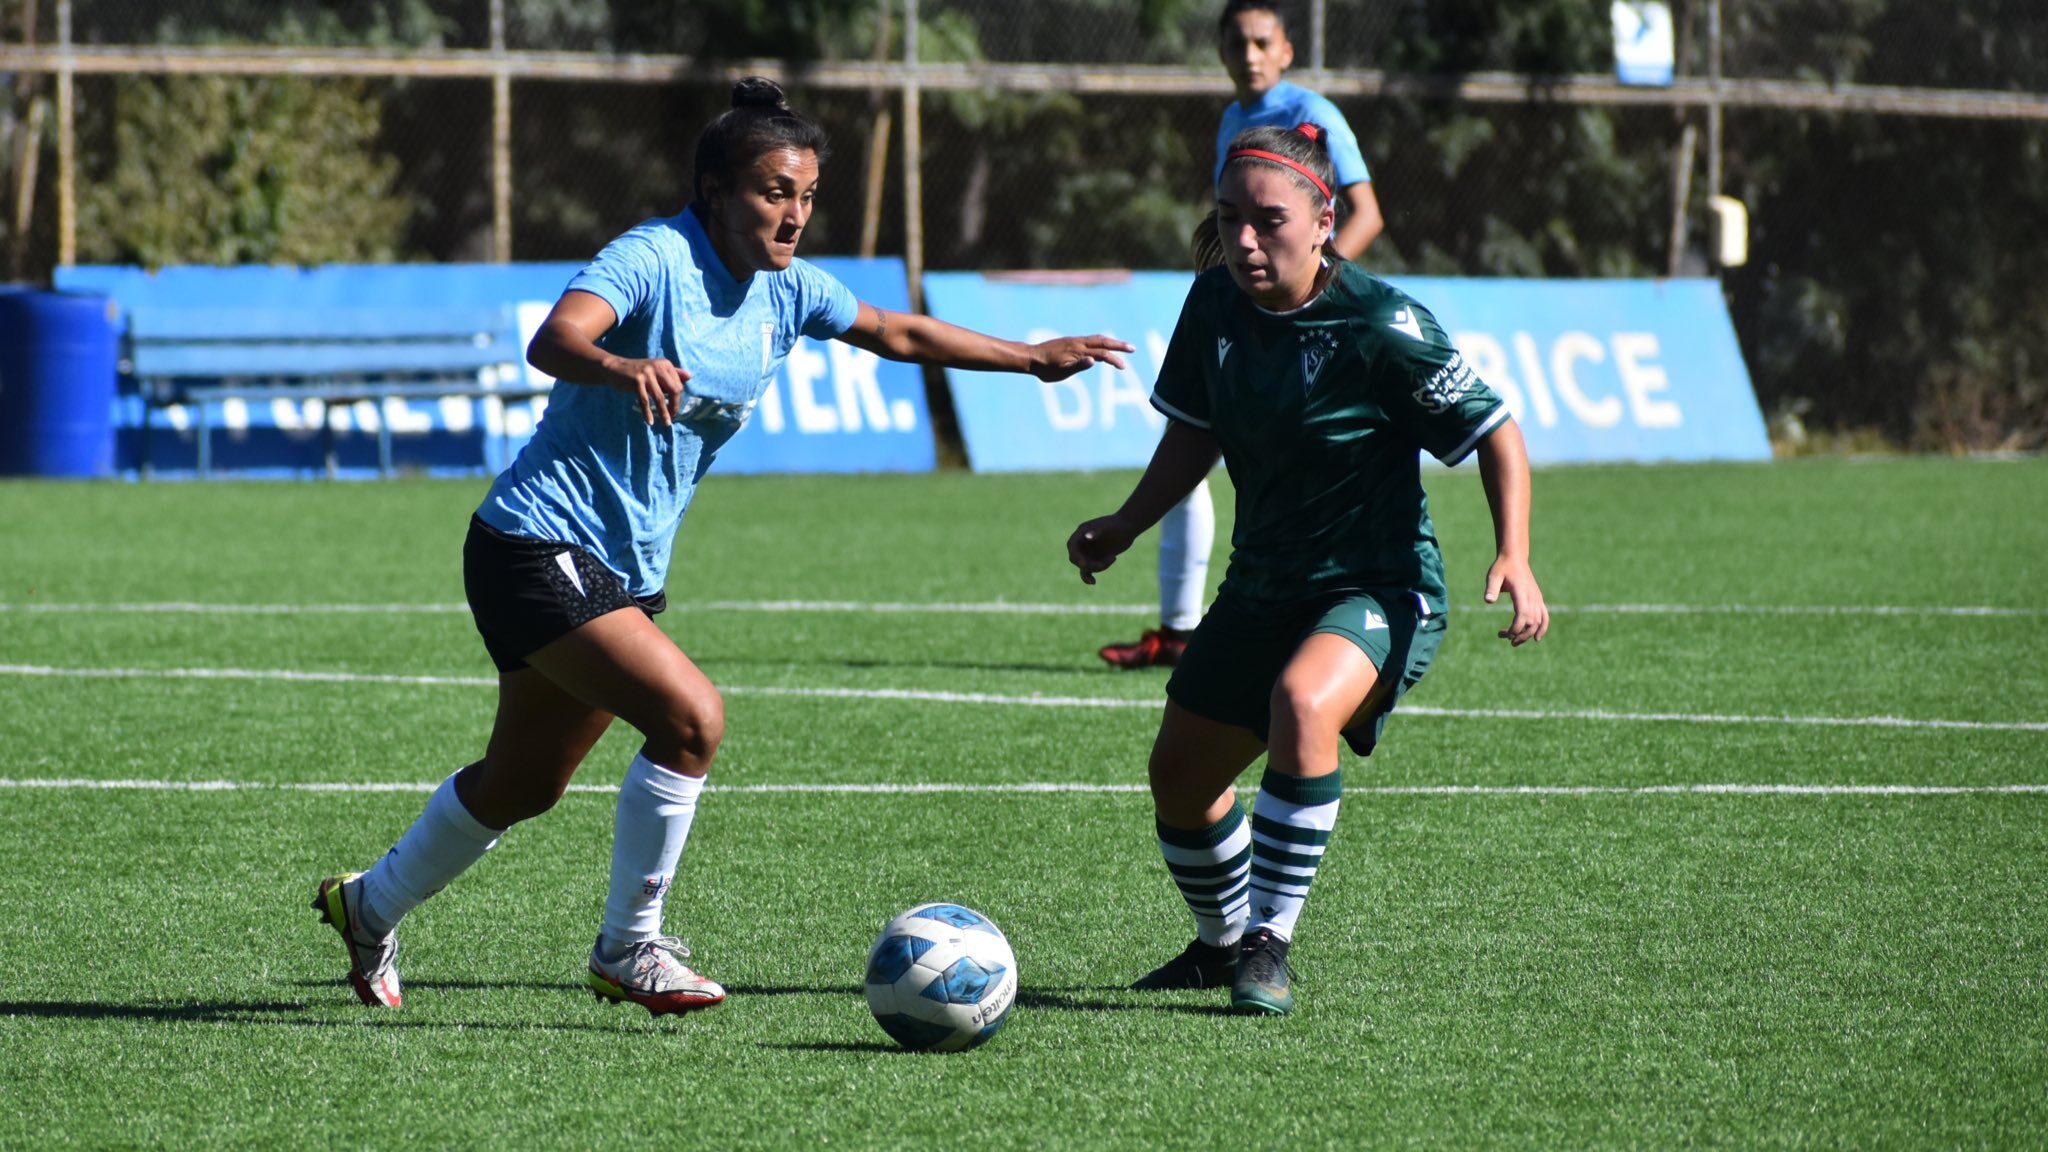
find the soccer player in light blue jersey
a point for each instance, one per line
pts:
(1252, 39)
(1257, 54)
(662, 346)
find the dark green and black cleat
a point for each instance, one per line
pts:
(1199, 965)
(1264, 985)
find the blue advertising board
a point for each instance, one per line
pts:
(832, 408)
(1102, 418)
(1593, 370)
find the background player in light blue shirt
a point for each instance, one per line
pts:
(1256, 52)
(1252, 39)
(662, 347)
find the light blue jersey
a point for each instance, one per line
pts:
(1285, 105)
(595, 473)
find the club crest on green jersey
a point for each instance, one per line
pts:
(1318, 347)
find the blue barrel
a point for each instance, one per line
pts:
(58, 355)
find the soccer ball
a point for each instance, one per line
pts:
(941, 978)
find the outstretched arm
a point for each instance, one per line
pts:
(1184, 456)
(924, 340)
(1504, 470)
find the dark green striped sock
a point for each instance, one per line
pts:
(1210, 865)
(1291, 822)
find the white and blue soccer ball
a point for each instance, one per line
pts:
(941, 978)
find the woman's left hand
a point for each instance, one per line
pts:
(1532, 617)
(1061, 358)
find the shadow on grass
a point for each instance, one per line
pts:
(1071, 998)
(842, 1046)
(467, 985)
(195, 1011)
(290, 1014)
(1109, 998)
(796, 990)
(580, 987)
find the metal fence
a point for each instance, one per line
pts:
(987, 134)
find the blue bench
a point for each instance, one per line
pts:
(201, 358)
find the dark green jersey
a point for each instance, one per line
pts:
(1321, 413)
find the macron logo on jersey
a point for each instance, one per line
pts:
(1406, 324)
(1222, 350)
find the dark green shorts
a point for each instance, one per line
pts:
(1238, 652)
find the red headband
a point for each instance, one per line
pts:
(1275, 157)
(1306, 128)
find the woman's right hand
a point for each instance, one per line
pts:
(656, 385)
(1096, 544)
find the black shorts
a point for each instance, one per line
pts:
(525, 594)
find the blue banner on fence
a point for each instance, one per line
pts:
(1594, 370)
(832, 408)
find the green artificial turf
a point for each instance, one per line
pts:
(1550, 969)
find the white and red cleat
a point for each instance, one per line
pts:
(372, 961)
(652, 974)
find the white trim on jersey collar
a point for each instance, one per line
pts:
(1318, 295)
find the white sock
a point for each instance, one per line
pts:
(1186, 535)
(656, 807)
(439, 846)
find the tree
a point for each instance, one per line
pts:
(1892, 283)
(230, 170)
(1511, 190)
(1053, 180)
(227, 170)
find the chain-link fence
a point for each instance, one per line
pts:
(1893, 153)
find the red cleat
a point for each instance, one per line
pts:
(1157, 648)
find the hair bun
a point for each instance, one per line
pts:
(758, 92)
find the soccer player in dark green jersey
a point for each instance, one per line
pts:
(1318, 385)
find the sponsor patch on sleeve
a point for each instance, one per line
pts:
(1448, 385)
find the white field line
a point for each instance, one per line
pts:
(1715, 718)
(286, 675)
(994, 608)
(1043, 788)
